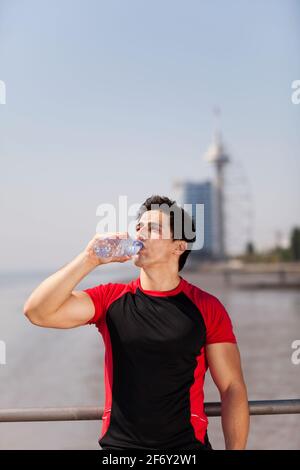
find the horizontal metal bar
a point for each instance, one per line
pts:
(261, 407)
(264, 407)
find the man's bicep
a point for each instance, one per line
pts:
(78, 310)
(224, 363)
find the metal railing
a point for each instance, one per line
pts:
(263, 407)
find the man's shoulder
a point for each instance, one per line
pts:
(118, 287)
(198, 293)
(214, 313)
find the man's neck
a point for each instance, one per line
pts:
(159, 279)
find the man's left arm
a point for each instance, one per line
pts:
(225, 367)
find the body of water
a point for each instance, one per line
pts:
(52, 367)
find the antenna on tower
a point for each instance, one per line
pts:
(217, 128)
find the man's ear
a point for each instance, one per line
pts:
(180, 247)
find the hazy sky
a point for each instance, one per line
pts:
(109, 98)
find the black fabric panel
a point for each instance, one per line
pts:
(155, 344)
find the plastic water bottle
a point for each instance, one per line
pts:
(116, 247)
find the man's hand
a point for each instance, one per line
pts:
(96, 260)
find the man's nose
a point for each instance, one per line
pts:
(141, 235)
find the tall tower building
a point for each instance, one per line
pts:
(217, 156)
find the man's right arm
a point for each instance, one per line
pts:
(55, 303)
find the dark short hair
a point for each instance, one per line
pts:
(176, 212)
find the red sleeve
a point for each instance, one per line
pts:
(99, 296)
(218, 323)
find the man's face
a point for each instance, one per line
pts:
(153, 229)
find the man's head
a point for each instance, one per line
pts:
(166, 229)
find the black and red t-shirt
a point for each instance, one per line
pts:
(155, 362)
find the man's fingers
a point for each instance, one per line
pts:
(121, 259)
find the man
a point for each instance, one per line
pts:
(161, 333)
